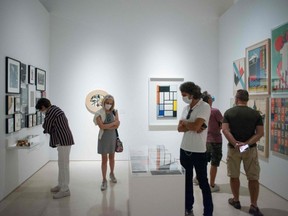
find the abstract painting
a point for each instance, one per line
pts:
(163, 103)
(166, 101)
(239, 75)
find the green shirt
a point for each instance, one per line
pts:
(242, 121)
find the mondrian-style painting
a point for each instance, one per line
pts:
(166, 103)
(163, 106)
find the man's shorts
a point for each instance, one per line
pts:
(250, 163)
(214, 153)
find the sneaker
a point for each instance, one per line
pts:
(61, 194)
(195, 181)
(104, 185)
(189, 213)
(235, 204)
(55, 189)
(215, 188)
(112, 178)
(255, 211)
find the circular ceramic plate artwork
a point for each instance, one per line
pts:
(94, 100)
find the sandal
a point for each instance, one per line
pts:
(235, 204)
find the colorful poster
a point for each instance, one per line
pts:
(261, 105)
(279, 125)
(279, 52)
(239, 75)
(258, 68)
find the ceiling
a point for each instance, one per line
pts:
(80, 8)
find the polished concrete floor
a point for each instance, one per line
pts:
(33, 198)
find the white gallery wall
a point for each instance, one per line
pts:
(24, 36)
(117, 46)
(246, 23)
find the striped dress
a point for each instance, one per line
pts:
(56, 124)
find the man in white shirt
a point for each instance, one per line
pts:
(193, 124)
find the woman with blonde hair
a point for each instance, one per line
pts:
(108, 120)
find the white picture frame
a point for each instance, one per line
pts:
(169, 118)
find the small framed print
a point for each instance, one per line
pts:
(23, 75)
(9, 125)
(31, 99)
(10, 104)
(17, 122)
(12, 76)
(39, 118)
(31, 74)
(29, 121)
(34, 120)
(40, 80)
(17, 104)
(23, 120)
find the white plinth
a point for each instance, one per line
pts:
(156, 195)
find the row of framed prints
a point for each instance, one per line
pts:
(17, 75)
(264, 69)
(19, 121)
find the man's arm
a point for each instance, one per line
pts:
(194, 126)
(228, 135)
(256, 137)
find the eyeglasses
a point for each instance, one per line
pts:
(189, 114)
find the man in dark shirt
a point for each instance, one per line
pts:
(243, 126)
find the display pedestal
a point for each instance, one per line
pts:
(156, 192)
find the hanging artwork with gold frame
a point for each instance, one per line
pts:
(258, 68)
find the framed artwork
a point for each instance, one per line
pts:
(163, 106)
(261, 104)
(24, 100)
(23, 75)
(17, 122)
(12, 75)
(31, 99)
(40, 80)
(17, 104)
(43, 94)
(29, 121)
(23, 120)
(34, 120)
(9, 125)
(258, 68)
(94, 99)
(239, 75)
(10, 104)
(31, 74)
(279, 56)
(39, 118)
(279, 125)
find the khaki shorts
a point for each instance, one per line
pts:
(250, 162)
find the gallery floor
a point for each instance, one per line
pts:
(33, 198)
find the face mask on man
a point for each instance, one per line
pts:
(187, 100)
(108, 106)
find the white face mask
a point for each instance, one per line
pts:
(187, 100)
(108, 106)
